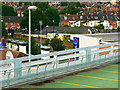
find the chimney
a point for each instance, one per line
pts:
(17, 5)
(3, 41)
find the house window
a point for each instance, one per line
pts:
(65, 17)
(81, 17)
(103, 17)
(73, 18)
(114, 24)
(88, 17)
(11, 23)
(71, 23)
(67, 23)
(91, 23)
(62, 23)
(96, 17)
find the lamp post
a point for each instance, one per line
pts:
(46, 30)
(53, 27)
(30, 8)
(40, 22)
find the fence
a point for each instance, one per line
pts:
(20, 71)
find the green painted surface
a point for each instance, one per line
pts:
(109, 72)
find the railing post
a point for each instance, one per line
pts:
(17, 69)
(55, 57)
(88, 55)
(112, 48)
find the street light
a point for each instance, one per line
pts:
(30, 8)
(40, 22)
(53, 27)
(46, 30)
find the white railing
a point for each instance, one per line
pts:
(63, 61)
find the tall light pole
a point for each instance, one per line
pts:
(53, 27)
(30, 8)
(40, 22)
(46, 30)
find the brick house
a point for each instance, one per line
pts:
(21, 10)
(12, 22)
(112, 21)
(67, 19)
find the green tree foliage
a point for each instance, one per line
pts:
(47, 41)
(36, 16)
(66, 26)
(57, 44)
(8, 11)
(53, 14)
(78, 4)
(43, 6)
(45, 13)
(35, 49)
(70, 9)
(101, 26)
(63, 3)
(4, 31)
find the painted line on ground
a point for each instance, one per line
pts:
(117, 65)
(107, 71)
(98, 78)
(76, 84)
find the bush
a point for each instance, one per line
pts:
(57, 44)
(35, 49)
(47, 41)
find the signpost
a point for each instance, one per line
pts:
(75, 45)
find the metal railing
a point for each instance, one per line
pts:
(20, 70)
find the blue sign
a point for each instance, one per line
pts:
(2, 46)
(75, 43)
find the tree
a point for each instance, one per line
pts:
(63, 3)
(4, 31)
(78, 4)
(8, 11)
(66, 25)
(43, 5)
(70, 9)
(53, 14)
(47, 41)
(101, 26)
(57, 44)
(36, 16)
(35, 49)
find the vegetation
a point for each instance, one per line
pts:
(45, 13)
(57, 44)
(36, 16)
(70, 10)
(63, 3)
(8, 11)
(53, 14)
(47, 41)
(101, 26)
(4, 31)
(35, 49)
(66, 25)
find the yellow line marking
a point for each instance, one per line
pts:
(108, 71)
(22, 87)
(98, 78)
(76, 84)
(117, 65)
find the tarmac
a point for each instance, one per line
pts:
(101, 78)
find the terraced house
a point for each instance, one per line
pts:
(90, 20)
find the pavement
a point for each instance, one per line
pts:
(101, 78)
